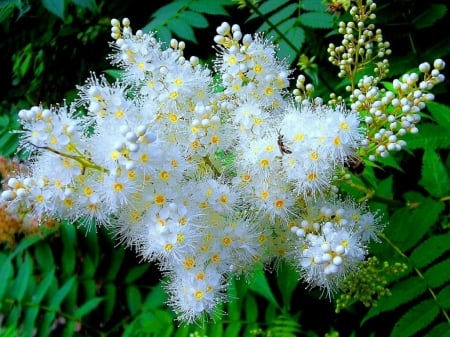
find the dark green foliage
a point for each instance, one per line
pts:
(180, 18)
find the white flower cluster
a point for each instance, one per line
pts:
(207, 182)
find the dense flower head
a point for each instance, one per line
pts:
(210, 178)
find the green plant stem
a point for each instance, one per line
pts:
(417, 271)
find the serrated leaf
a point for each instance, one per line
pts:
(402, 292)
(135, 272)
(294, 34)
(210, 7)
(268, 7)
(313, 5)
(430, 250)
(170, 10)
(434, 174)
(56, 7)
(134, 299)
(438, 274)
(195, 19)
(87, 307)
(429, 16)
(440, 113)
(416, 319)
(430, 136)
(183, 30)
(283, 14)
(408, 226)
(317, 20)
(260, 285)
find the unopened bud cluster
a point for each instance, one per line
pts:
(390, 114)
(361, 45)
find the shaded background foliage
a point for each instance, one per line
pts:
(69, 281)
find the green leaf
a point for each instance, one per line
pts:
(25, 244)
(89, 4)
(402, 292)
(292, 33)
(210, 7)
(429, 16)
(195, 19)
(117, 256)
(182, 29)
(440, 113)
(68, 254)
(440, 330)
(430, 250)
(313, 5)
(283, 14)
(251, 309)
(44, 256)
(155, 298)
(58, 297)
(24, 275)
(233, 329)
(87, 307)
(29, 322)
(46, 323)
(268, 7)
(430, 136)
(260, 285)
(438, 274)
(408, 226)
(56, 7)
(434, 174)
(134, 299)
(170, 10)
(8, 143)
(6, 273)
(287, 279)
(43, 286)
(443, 297)
(416, 319)
(110, 295)
(317, 20)
(234, 305)
(135, 272)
